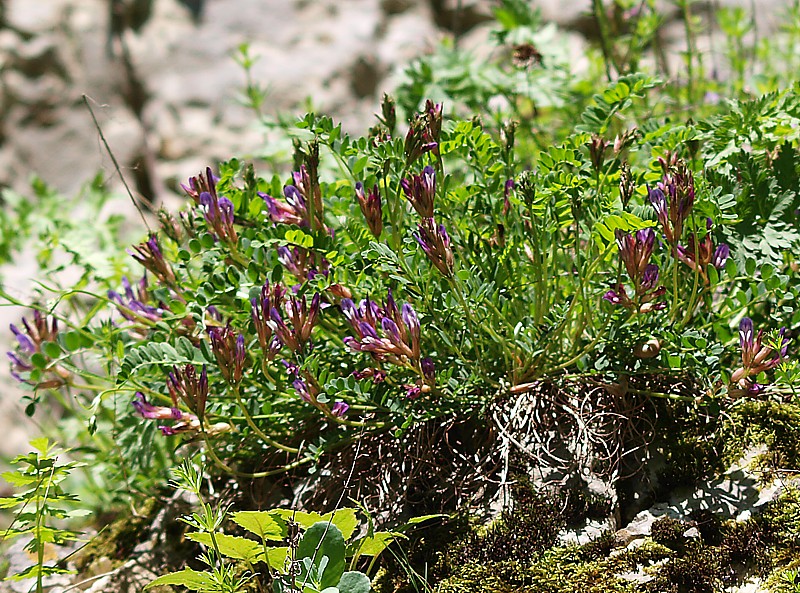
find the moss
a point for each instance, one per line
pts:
(669, 532)
(700, 569)
(709, 525)
(558, 570)
(785, 579)
(696, 444)
(775, 425)
(689, 441)
(527, 529)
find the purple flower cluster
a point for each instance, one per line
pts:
(199, 185)
(186, 422)
(435, 242)
(635, 250)
(272, 297)
(673, 199)
(387, 333)
(423, 133)
(301, 264)
(431, 236)
(421, 191)
(757, 358)
(133, 306)
(148, 411)
(303, 318)
(295, 210)
(371, 208)
(308, 390)
(29, 342)
(699, 256)
(229, 350)
(186, 386)
(149, 254)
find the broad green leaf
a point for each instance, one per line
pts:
(191, 579)
(321, 540)
(261, 523)
(354, 582)
(345, 520)
(276, 557)
(376, 543)
(239, 548)
(305, 520)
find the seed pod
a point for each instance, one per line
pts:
(648, 349)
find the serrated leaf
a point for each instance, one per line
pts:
(276, 557)
(344, 519)
(261, 523)
(302, 518)
(231, 546)
(376, 543)
(191, 579)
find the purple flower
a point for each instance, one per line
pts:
(29, 342)
(673, 199)
(272, 297)
(618, 297)
(635, 250)
(413, 391)
(150, 256)
(150, 412)
(300, 263)
(721, 255)
(371, 208)
(25, 343)
(340, 408)
(433, 112)
(134, 307)
(435, 242)
(302, 389)
(421, 191)
(185, 385)
(757, 357)
(199, 185)
(384, 332)
(229, 350)
(420, 138)
(303, 319)
(428, 370)
(293, 211)
(377, 375)
(650, 277)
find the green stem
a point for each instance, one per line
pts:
(261, 434)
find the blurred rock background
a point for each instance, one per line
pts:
(163, 83)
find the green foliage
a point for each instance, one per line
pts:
(41, 507)
(302, 550)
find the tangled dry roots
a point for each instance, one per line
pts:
(553, 432)
(435, 467)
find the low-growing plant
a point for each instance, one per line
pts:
(431, 276)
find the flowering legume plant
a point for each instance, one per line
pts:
(397, 278)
